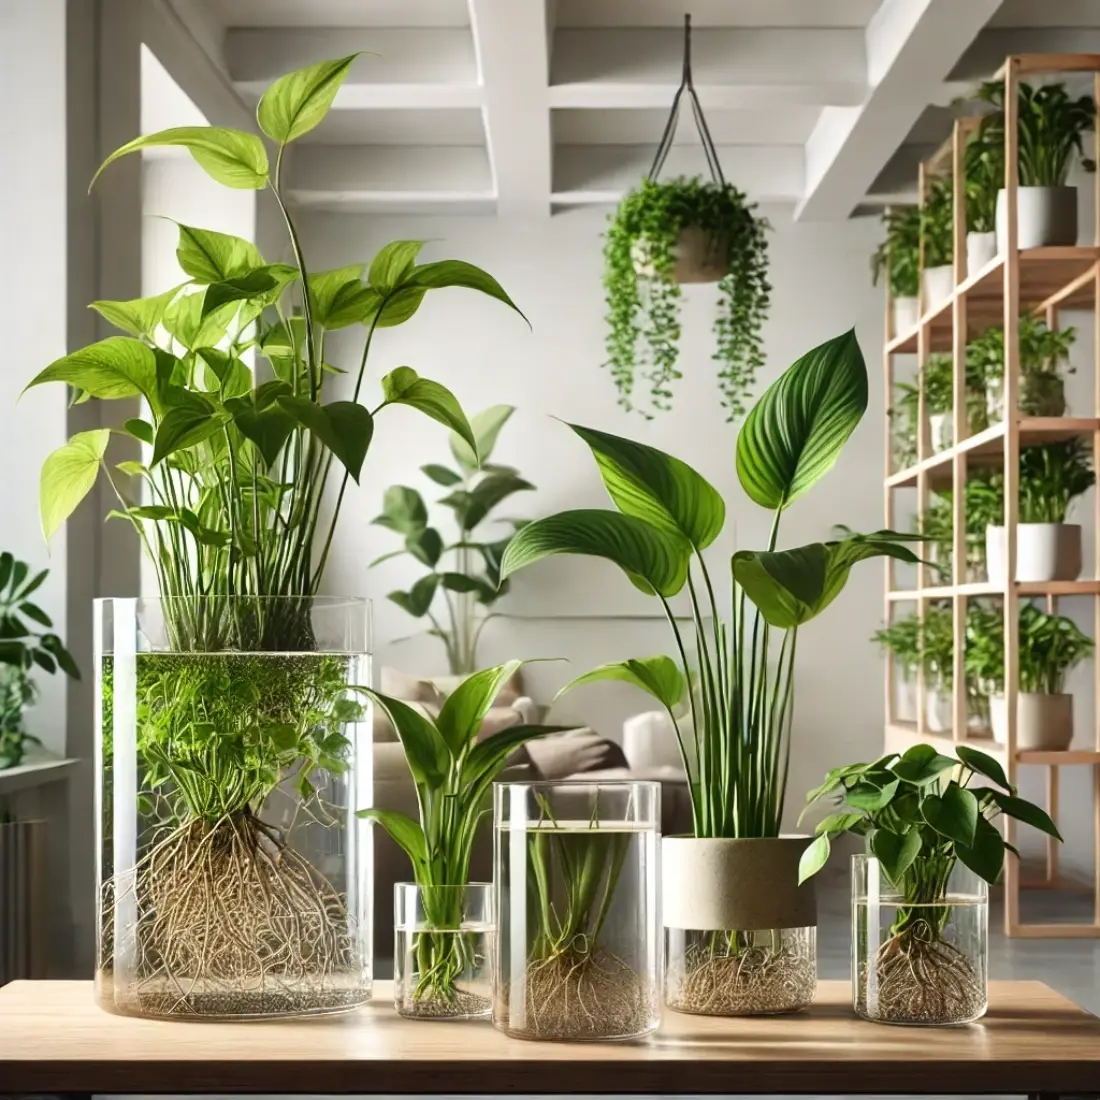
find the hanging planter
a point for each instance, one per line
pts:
(669, 232)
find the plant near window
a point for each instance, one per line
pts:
(234, 487)
(1044, 360)
(22, 649)
(920, 813)
(453, 771)
(470, 580)
(643, 296)
(899, 254)
(741, 697)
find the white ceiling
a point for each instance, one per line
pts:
(523, 106)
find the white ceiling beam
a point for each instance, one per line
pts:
(513, 61)
(657, 95)
(912, 47)
(391, 168)
(715, 13)
(368, 97)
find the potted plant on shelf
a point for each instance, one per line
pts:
(665, 234)
(22, 649)
(466, 571)
(984, 505)
(920, 900)
(229, 721)
(904, 419)
(443, 930)
(1050, 647)
(1052, 477)
(1051, 125)
(899, 256)
(1044, 360)
(937, 378)
(985, 176)
(937, 237)
(733, 948)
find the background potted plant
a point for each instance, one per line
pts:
(937, 236)
(1050, 647)
(937, 378)
(1047, 548)
(903, 425)
(677, 231)
(465, 571)
(732, 949)
(985, 176)
(919, 920)
(1044, 360)
(1051, 125)
(899, 254)
(443, 939)
(984, 505)
(231, 699)
(23, 648)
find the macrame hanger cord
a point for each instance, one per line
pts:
(665, 144)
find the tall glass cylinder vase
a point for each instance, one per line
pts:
(920, 949)
(575, 866)
(232, 753)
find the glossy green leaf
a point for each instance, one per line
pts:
(232, 157)
(212, 257)
(68, 476)
(465, 708)
(418, 600)
(331, 292)
(445, 273)
(983, 764)
(185, 322)
(267, 427)
(138, 316)
(187, 425)
(986, 856)
(228, 375)
(835, 824)
(472, 506)
(657, 488)
(425, 750)
(815, 856)
(486, 425)
(653, 561)
(489, 756)
(253, 285)
(1027, 812)
(344, 427)
(895, 851)
(404, 386)
(299, 101)
(868, 796)
(393, 263)
(404, 832)
(660, 676)
(403, 510)
(953, 814)
(441, 475)
(139, 429)
(426, 546)
(922, 765)
(386, 311)
(114, 368)
(795, 432)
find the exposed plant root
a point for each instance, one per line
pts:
(920, 979)
(231, 921)
(755, 980)
(580, 995)
(461, 1004)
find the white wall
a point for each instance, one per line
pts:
(33, 220)
(563, 608)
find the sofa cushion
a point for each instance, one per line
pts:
(572, 753)
(426, 689)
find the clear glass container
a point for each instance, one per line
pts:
(232, 753)
(727, 973)
(578, 952)
(920, 951)
(443, 951)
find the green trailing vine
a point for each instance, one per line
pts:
(643, 311)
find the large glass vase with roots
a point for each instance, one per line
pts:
(232, 751)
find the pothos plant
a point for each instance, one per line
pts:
(453, 771)
(466, 570)
(643, 296)
(899, 253)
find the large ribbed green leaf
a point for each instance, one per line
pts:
(660, 676)
(654, 561)
(656, 487)
(795, 432)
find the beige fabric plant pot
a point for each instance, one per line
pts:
(938, 283)
(1044, 216)
(1044, 552)
(1043, 722)
(980, 250)
(720, 883)
(699, 256)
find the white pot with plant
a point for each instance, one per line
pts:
(740, 933)
(1051, 127)
(984, 176)
(1051, 646)
(1044, 362)
(937, 379)
(938, 274)
(665, 233)
(899, 255)
(1052, 477)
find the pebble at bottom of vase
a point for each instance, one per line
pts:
(723, 973)
(443, 968)
(919, 964)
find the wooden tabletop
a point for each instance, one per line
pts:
(54, 1039)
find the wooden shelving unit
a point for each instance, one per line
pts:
(1044, 281)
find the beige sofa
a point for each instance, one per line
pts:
(576, 754)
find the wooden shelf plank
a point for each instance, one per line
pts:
(34, 773)
(903, 735)
(990, 588)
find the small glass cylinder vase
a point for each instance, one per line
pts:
(920, 950)
(232, 753)
(578, 943)
(443, 951)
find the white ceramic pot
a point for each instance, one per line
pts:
(941, 431)
(906, 315)
(939, 284)
(980, 250)
(937, 712)
(1043, 722)
(1044, 216)
(1044, 552)
(699, 256)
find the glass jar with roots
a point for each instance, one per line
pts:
(233, 877)
(920, 949)
(576, 874)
